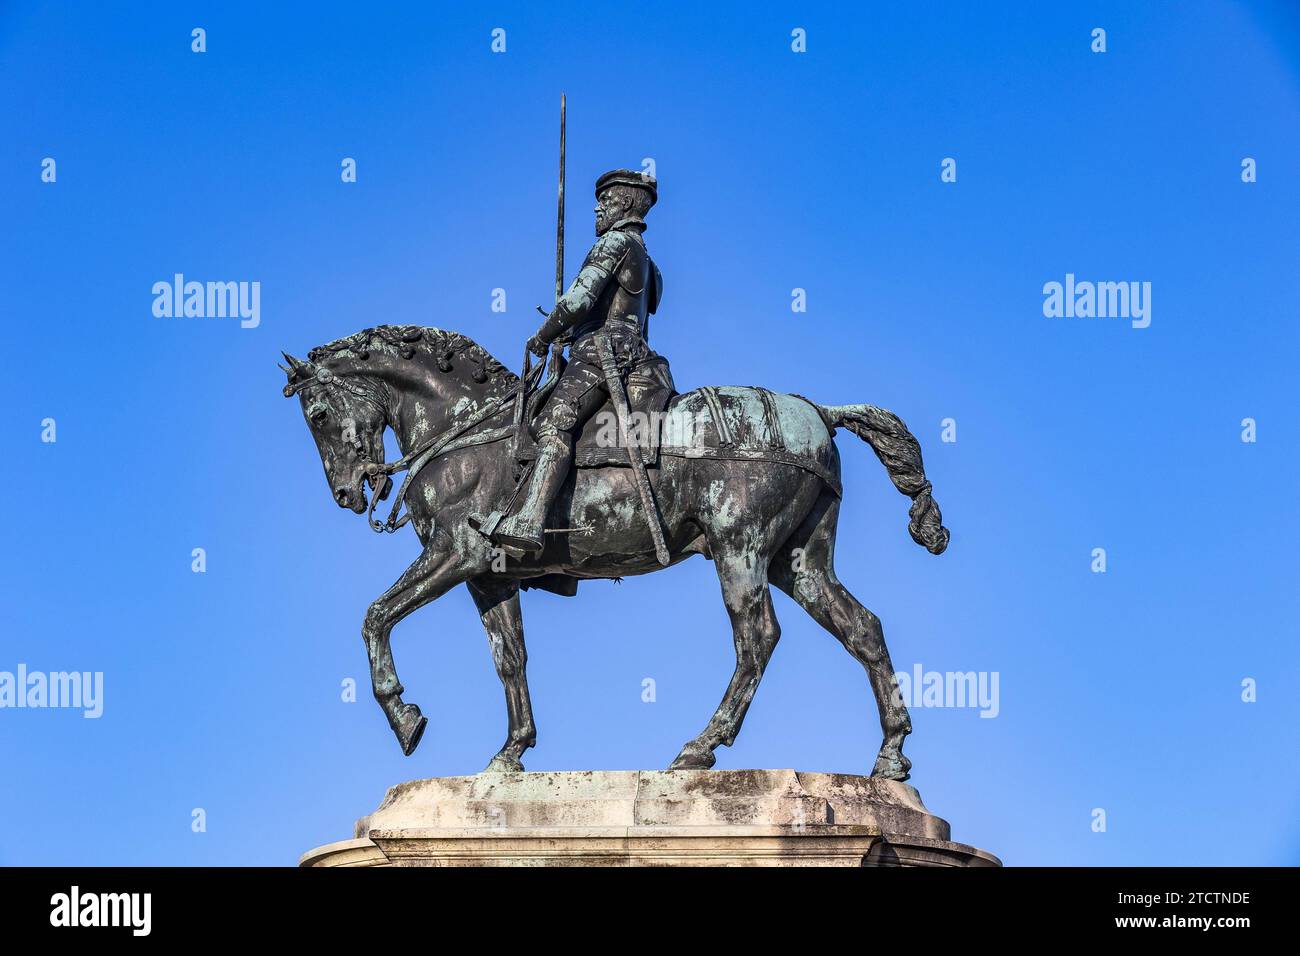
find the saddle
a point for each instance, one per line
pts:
(649, 385)
(712, 422)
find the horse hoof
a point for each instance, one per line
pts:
(693, 758)
(410, 728)
(503, 764)
(892, 767)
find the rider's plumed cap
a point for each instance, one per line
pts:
(629, 177)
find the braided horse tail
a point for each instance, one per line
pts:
(900, 453)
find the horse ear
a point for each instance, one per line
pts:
(297, 370)
(295, 365)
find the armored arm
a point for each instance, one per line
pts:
(583, 294)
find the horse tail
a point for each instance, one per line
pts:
(900, 453)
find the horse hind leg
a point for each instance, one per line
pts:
(755, 631)
(804, 569)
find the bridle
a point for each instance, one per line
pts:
(381, 473)
(327, 378)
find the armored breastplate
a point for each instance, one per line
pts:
(632, 293)
(628, 300)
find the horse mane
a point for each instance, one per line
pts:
(408, 341)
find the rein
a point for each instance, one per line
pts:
(413, 462)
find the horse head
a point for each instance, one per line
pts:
(346, 414)
(415, 380)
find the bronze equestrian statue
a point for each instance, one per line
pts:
(748, 478)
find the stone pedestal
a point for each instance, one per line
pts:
(651, 818)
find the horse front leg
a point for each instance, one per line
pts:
(498, 606)
(437, 570)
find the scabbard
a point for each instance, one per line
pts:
(618, 394)
(521, 403)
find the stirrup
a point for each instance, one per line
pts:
(487, 526)
(517, 546)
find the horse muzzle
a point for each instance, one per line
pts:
(354, 499)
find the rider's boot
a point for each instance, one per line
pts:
(524, 530)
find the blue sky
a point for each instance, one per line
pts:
(821, 171)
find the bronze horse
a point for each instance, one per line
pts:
(763, 518)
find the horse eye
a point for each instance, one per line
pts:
(319, 417)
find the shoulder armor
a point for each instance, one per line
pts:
(633, 269)
(608, 252)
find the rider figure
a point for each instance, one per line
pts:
(616, 290)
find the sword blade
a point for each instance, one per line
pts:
(559, 219)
